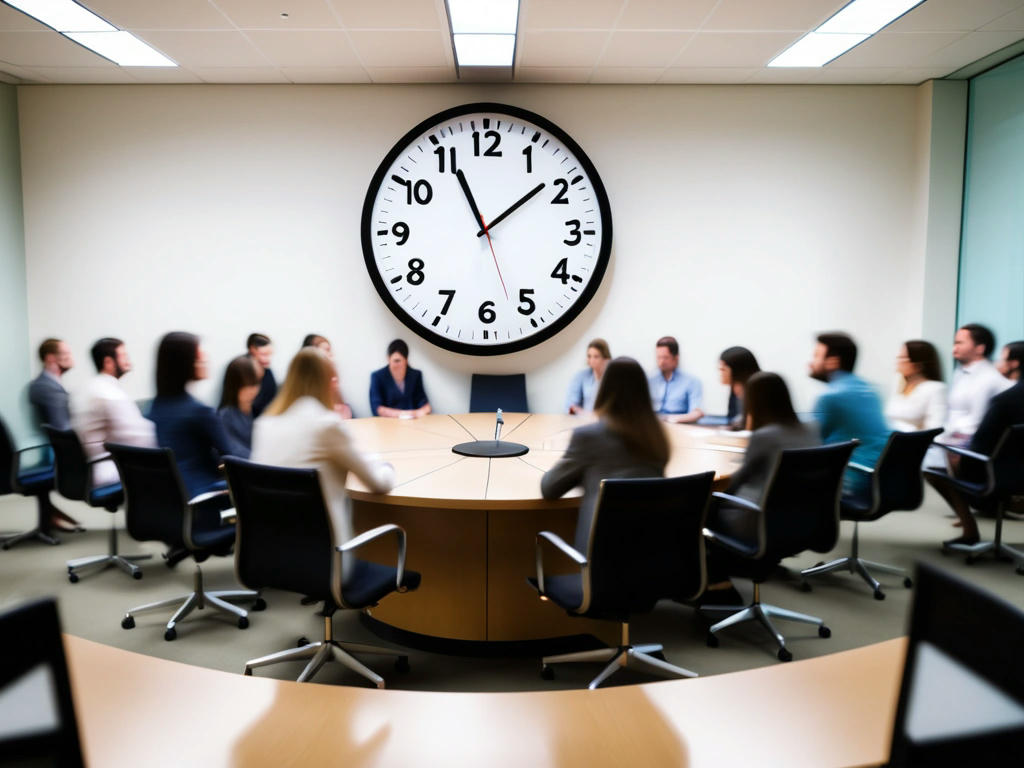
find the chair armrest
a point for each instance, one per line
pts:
(964, 452)
(861, 468)
(560, 544)
(375, 533)
(202, 498)
(737, 501)
(31, 448)
(728, 542)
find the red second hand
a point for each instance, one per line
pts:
(493, 254)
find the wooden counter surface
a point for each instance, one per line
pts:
(834, 710)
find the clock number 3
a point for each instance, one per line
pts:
(574, 232)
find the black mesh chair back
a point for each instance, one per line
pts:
(801, 507)
(72, 477)
(155, 503)
(647, 543)
(282, 511)
(897, 482)
(1008, 463)
(489, 393)
(960, 633)
(33, 657)
(8, 461)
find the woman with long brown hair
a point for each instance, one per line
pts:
(627, 440)
(920, 399)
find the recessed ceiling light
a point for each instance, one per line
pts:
(483, 16)
(485, 50)
(816, 50)
(122, 48)
(62, 15)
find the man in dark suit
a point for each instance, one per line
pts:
(50, 401)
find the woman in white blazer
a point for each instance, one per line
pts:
(301, 429)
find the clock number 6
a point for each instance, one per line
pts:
(486, 312)
(526, 304)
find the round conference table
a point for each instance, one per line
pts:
(472, 522)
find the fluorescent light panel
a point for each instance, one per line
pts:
(485, 50)
(483, 16)
(63, 15)
(852, 25)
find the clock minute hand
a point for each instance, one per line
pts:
(469, 198)
(511, 209)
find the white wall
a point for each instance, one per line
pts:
(743, 215)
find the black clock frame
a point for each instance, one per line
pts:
(547, 331)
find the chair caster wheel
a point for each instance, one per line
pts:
(301, 642)
(908, 582)
(243, 622)
(805, 586)
(402, 664)
(711, 640)
(247, 672)
(170, 634)
(137, 575)
(73, 577)
(785, 655)
(547, 673)
(259, 605)
(823, 631)
(128, 622)
(879, 594)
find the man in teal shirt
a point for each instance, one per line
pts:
(850, 408)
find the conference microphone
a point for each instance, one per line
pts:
(497, 426)
(492, 449)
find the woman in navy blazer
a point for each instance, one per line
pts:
(396, 390)
(188, 427)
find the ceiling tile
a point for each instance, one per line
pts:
(240, 74)
(206, 49)
(707, 74)
(326, 74)
(970, 48)
(553, 74)
(560, 49)
(45, 49)
(402, 48)
(108, 74)
(411, 74)
(643, 49)
(392, 14)
(12, 19)
(179, 14)
(1013, 20)
(569, 14)
(266, 14)
(800, 15)
(665, 14)
(952, 15)
(648, 75)
(319, 48)
(733, 49)
(894, 49)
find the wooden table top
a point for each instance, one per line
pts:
(834, 710)
(430, 475)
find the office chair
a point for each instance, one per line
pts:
(31, 481)
(962, 696)
(896, 484)
(799, 510)
(74, 481)
(488, 393)
(38, 725)
(157, 509)
(644, 544)
(1004, 479)
(286, 541)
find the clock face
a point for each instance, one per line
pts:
(486, 229)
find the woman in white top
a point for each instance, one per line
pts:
(301, 429)
(920, 399)
(584, 385)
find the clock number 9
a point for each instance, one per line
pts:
(526, 304)
(401, 231)
(491, 151)
(574, 232)
(421, 191)
(415, 276)
(486, 312)
(560, 198)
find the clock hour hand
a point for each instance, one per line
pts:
(469, 198)
(510, 209)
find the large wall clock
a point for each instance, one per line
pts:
(486, 229)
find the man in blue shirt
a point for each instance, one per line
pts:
(850, 408)
(675, 396)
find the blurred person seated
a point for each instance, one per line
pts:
(300, 429)
(317, 341)
(101, 411)
(1011, 361)
(396, 390)
(850, 409)
(261, 350)
(188, 427)
(675, 396)
(975, 382)
(919, 401)
(241, 385)
(584, 385)
(735, 366)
